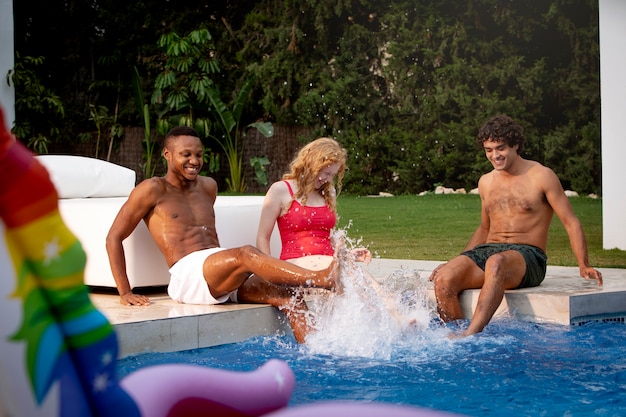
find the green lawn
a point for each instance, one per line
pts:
(437, 227)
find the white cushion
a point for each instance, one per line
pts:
(90, 220)
(82, 177)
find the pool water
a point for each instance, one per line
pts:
(513, 368)
(384, 343)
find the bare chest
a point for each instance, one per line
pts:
(513, 198)
(191, 209)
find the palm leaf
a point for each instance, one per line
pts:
(242, 98)
(138, 91)
(266, 128)
(225, 116)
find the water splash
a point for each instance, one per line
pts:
(367, 318)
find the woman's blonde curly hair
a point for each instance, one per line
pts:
(308, 163)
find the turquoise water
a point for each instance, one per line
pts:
(512, 369)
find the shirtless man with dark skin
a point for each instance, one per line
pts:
(518, 199)
(178, 210)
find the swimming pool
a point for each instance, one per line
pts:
(364, 351)
(513, 368)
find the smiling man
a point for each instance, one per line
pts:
(507, 250)
(178, 210)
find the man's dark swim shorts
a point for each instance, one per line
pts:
(536, 260)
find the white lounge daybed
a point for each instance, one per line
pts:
(91, 192)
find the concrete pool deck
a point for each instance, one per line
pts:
(166, 326)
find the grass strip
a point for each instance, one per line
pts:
(437, 227)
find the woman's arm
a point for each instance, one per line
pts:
(272, 209)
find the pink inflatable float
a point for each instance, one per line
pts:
(185, 390)
(360, 409)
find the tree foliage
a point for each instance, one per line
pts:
(403, 85)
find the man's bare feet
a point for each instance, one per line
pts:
(458, 334)
(328, 278)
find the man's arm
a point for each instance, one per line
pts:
(560, 204)
(139, 203)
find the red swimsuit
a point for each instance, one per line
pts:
(305, 230)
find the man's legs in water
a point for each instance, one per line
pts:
(503, 271)
(458, 274)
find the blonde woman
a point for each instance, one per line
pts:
(303, 204)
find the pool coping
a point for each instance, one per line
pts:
(165, 326)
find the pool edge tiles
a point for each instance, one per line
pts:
(563, 298)
(166, 326)
(198, 331)
(532, 307)
(602, 306)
